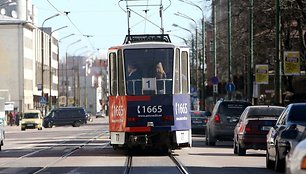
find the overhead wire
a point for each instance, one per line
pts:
(81, 33)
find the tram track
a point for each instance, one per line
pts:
(68, 151)
(179, 166)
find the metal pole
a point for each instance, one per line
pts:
(42, 54)
(50, 72)
(66, 81)
(50, 64)
(215, 44)
(277, 73)
(67, 69)
(203, 63)
(79, 89)
(250, 59)
(229, 39)
(85, 92)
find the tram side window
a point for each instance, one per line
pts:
(113, 74)
(185, 75)
(121, 83)
(177, 82)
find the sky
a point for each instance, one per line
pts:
(101, 24)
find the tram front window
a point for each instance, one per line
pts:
(148, 71)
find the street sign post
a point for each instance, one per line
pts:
(230, 87)
(42, 100)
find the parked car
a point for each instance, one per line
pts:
(199, 120)
(253, 126)
(31, 119)
(294, 114)
(223, 120)
(100, 114)
(2, 133)
(296, 158)
(74, 116)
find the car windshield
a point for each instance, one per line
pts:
(232, 109)
(30, 115)
(297, 113)
(264, 112)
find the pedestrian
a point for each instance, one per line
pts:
(17, 119)
(10, 117)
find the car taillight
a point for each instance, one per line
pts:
(248, 129)
(217, 119)
(132, 119)
(205, 120)
(167, 118)
(303, 163)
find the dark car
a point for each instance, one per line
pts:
(294, 114)
(74, 116)
(253, 126)
(199, 120)
(223, 120)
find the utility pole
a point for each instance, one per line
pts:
(277, 69)
(214, 45)
(250, 59)
(229, 39)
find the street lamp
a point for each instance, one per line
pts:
(42, 53)
(65, 37)
(67, 68)
(196, 45)
(203, 45)
(193, 48)
(73, 71)
(62, 64)
(50, 64)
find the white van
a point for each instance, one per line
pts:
(1, 133)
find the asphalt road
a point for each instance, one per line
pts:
(86, 149)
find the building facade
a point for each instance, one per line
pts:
(21, 61)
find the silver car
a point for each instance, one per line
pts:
(296, 159)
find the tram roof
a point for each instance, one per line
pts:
(147, 41)
(147, 45)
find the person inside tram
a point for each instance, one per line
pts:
(133, 72)
(160, 72)
(133, 79)
(160, 75)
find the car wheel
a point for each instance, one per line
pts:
(235, 147)
(50, 125)
(0, 147)
(279, 163)
(210, 140)
(269, 163)
(76, 124)
(22, 129)
(40, 128)
(241, 151)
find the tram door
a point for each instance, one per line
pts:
(182, 71)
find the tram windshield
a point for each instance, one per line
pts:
(148, 71)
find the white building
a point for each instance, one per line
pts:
(21, 59)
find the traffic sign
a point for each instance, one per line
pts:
(215, 88)
(42, 100)
(230, 87)
(214, 80)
